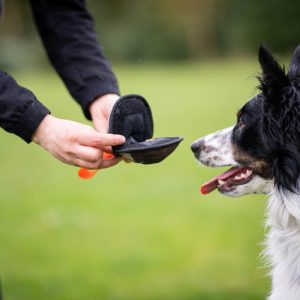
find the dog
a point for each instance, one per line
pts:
(263, 150)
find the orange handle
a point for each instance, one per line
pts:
(86, 173)
(107, 155)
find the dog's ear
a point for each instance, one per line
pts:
(294, 69)
(273, 77)
(274, 84)
(280, 121)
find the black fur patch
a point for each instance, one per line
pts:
(268, 127)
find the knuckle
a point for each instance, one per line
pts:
(94, 165)
(77, 162)
(95, 156)
(96, 152)
(68, 150)
(92, 154)
(98, 140)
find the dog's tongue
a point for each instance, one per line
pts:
(212, 184)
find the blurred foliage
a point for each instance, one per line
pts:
(165, 30)
(247, 24)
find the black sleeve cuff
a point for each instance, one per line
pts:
(30, 120)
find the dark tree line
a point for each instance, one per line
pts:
(176, 29)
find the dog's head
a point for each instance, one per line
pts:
(263, 147)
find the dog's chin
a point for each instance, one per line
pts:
(256, 185)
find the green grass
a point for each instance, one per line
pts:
(133, 232)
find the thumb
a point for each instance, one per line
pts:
(101, 125)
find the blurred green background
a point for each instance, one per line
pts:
(134, 231)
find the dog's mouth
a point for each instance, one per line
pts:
(226, 181)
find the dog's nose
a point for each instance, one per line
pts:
(196, 147)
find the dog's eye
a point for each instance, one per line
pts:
(240, 122)
(240, 118)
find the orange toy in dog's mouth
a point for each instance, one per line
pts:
(228, 179)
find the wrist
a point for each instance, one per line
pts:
(42, 129)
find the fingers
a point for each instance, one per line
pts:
(109, 140)
(76, 144)
(100, 140)
(107, 149)
(85, 164)
(93, 158)
(107, 163)
(89, 154)
(102, 164)
(85, 157)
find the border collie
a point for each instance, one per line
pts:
(263, 150)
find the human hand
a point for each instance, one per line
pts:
(75, 143)
(100, 111)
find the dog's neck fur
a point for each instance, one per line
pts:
(283, 244)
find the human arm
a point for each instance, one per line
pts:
(20, 110)
(21, 113)
(67, 32)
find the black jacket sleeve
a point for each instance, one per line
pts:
(20, 111)
(67, 31)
